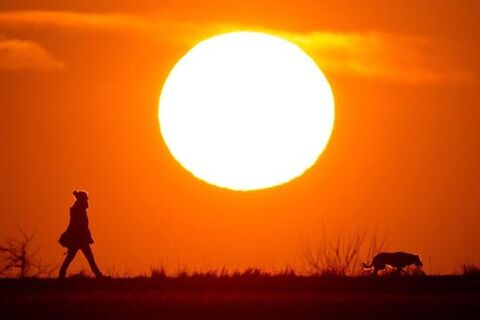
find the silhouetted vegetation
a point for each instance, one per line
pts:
(470, 269)
(341, 255)
(19, 258)
(331, 287)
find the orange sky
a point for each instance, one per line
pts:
(80, 83)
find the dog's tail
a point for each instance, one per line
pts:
(366, 266)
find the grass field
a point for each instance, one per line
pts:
(251, 296)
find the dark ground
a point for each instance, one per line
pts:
(243, 297)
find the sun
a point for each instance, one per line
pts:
(246, 111)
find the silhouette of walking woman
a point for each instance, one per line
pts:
(77, 236)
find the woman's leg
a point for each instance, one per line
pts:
(87, 251)
(72, 252)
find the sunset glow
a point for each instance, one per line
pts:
(216, 134)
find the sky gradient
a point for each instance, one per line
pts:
(80, 83)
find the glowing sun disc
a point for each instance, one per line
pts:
(246, 111)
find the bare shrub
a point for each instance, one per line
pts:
(341, 255)
(19, 258)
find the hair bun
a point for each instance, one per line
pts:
(80, 195)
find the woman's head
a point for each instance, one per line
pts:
(82, 197)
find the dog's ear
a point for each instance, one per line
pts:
(75, 193)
